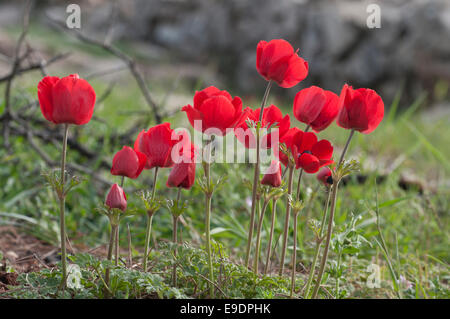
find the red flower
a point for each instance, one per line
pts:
(324, 176)
(272, 117)
(362, 109)
(157, 145)
(316, 107)
(128, 162)
(116, 198)
(69, 100)
(183, 172)
(287, 139)
(273, 175)
(214, 109)
(308, 153)
(277, 61)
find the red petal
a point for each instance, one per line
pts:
(308, 103)
(45, 88)
(309, 163)
(297, 71)
(322, 150)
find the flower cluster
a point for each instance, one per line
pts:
(70, 101)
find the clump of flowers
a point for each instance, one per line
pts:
(215, 113)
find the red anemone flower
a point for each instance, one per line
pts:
(316, 107)
(273, 175)
(183, 172)
(362, 109)
(69, 100)
(308, 153)
(272, 118)
(214, 109)
(277, 61)
(287, 140)
(324, 176)
(157, 145)
(116, 198)
(128, 162)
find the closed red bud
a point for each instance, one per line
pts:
(128, 162)
(116, 198)
(277, 61)
(324, 176)
(215, 109)
(69, 100)
(361, 109)
(272, 118)
(157, 144)
(316, 107)
(273, 176)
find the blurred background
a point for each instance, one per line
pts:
(146, 58)
(214, 41)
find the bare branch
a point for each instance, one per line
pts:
(122, 56)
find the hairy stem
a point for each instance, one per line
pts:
(149, 222)
(62, 198)
(208, 197)
(112, 237)
(272, 227)
(330, 221)
(294, 256)
(175, 240)
(116, 254)
(256, 176)
(317, 251)
(286, 221)
(258, 237)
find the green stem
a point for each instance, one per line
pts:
(254, 196)
(330, 221)
(317, 251)
(337, 276)
(149, 222)
(327, 243)
(256, 176)
(62, 198)
(286, 221)
(208, 197)
(112, 237)
(175, 240)
(272, 227)
(299, 183)
(116, 260)
(258, 236)
(294, 256)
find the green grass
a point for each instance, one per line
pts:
(415, 226)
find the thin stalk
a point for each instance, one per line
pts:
(294, 256)
(258, 237)
(337, 275)
(256, 176)
(130, 257)
(62, 198)
(286, 221)
(175, 240)
(327, 243)
(254, 196)
(208, 197)
(110, 253)
(317, 251)
(149, 222)
(299, 183)
(116, 260)
(272, 227)
(330, 221)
